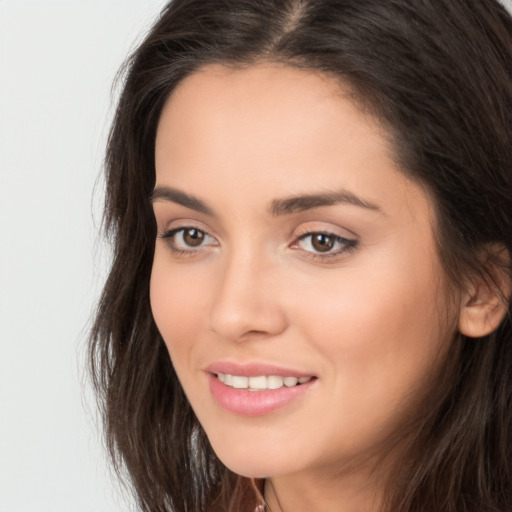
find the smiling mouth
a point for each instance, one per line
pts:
(261, 382)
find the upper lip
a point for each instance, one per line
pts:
(253, 369)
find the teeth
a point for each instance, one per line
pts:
(290, 381)
(261, 382)
(275, 382)
(258, 382)
(239, 382)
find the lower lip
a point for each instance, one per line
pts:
(255, 403)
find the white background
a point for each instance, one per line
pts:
(57, 63)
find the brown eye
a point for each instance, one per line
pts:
(325, 245)
(188, 240)
(193, 237)
(322, 242)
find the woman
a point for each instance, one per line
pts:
(309, 304)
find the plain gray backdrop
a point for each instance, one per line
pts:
(58, 60)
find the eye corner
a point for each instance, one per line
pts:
(187, 240)
(324, 245)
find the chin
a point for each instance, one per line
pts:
(254, 459)
(251, 468)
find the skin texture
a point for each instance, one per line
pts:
(365, 322)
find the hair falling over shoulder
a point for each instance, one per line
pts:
(438, 75)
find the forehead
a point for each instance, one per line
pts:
(272, 131)
(286, 92)
(261, 81)
(266, 114)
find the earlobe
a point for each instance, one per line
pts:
(484, 304)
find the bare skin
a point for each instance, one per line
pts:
(345, 287)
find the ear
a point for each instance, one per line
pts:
(485, 301)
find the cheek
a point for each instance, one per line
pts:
(380, 331)
(378, 296)
(178, 306)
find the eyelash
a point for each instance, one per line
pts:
(347, 245)
(169, 237)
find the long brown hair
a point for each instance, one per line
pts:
(438, 74)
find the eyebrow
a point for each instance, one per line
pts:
(278, 207)
(177, 196)
(301, 203)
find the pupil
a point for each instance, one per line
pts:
(322, 243)
(193, 237)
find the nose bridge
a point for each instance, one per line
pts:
(246, 302)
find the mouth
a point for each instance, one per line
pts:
(261, 382)
(257, 389)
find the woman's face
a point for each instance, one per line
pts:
(295, 260)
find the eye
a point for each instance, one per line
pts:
(187, 239)
(192, 237)
(324, 244)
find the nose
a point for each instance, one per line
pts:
(247, 303)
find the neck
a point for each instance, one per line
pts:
(347, 492)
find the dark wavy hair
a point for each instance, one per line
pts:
(438, 75)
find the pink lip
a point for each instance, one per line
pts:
(253, 369)
(254, 403)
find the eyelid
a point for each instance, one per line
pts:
(168, 236)
(166, 226)
(326, 227)
(349, 244)
(169, 233)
